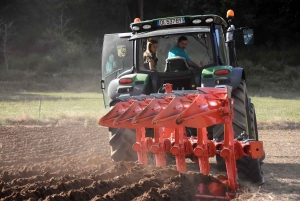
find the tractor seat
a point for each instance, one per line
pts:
(176, 64)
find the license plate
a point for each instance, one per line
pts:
(166, 22)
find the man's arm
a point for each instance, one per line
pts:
(192, 64)
(189, 61)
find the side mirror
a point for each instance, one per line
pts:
(121, 50)
(248, 36)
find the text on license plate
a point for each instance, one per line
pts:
(170, 21)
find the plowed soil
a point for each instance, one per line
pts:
(72, 162)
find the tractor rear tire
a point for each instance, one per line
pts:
(121, 141)
(244, 120)
(251, 168)
(241, 114)
(253, 128)
(240, 121)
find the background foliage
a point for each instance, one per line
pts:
(52, 36)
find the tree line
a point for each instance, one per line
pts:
(39, 26)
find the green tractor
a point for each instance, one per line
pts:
(211, 48)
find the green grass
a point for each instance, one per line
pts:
(269, 109)
(51, 106)
(29, 106)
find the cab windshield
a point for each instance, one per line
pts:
(198, 49)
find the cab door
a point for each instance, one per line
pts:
(117, 57)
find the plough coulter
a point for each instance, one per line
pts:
(169, 114)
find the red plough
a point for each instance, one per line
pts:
(169, 114)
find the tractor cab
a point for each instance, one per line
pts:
(126, 72)
(205, 42)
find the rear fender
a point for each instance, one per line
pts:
(236, 76)
(233, 79)
(139, 86)
(130, 71)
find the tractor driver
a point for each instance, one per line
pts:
(179, 50)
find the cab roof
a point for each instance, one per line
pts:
(177, 21)
(171, 31)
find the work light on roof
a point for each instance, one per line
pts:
(230, 14)
(137, 20)
(209, 20)
(196, 21)
(147, 26)
(135, 28)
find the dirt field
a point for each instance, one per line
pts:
(72, 163)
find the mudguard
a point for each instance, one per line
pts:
(138, 87)
(233, 79)
(236, 76)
